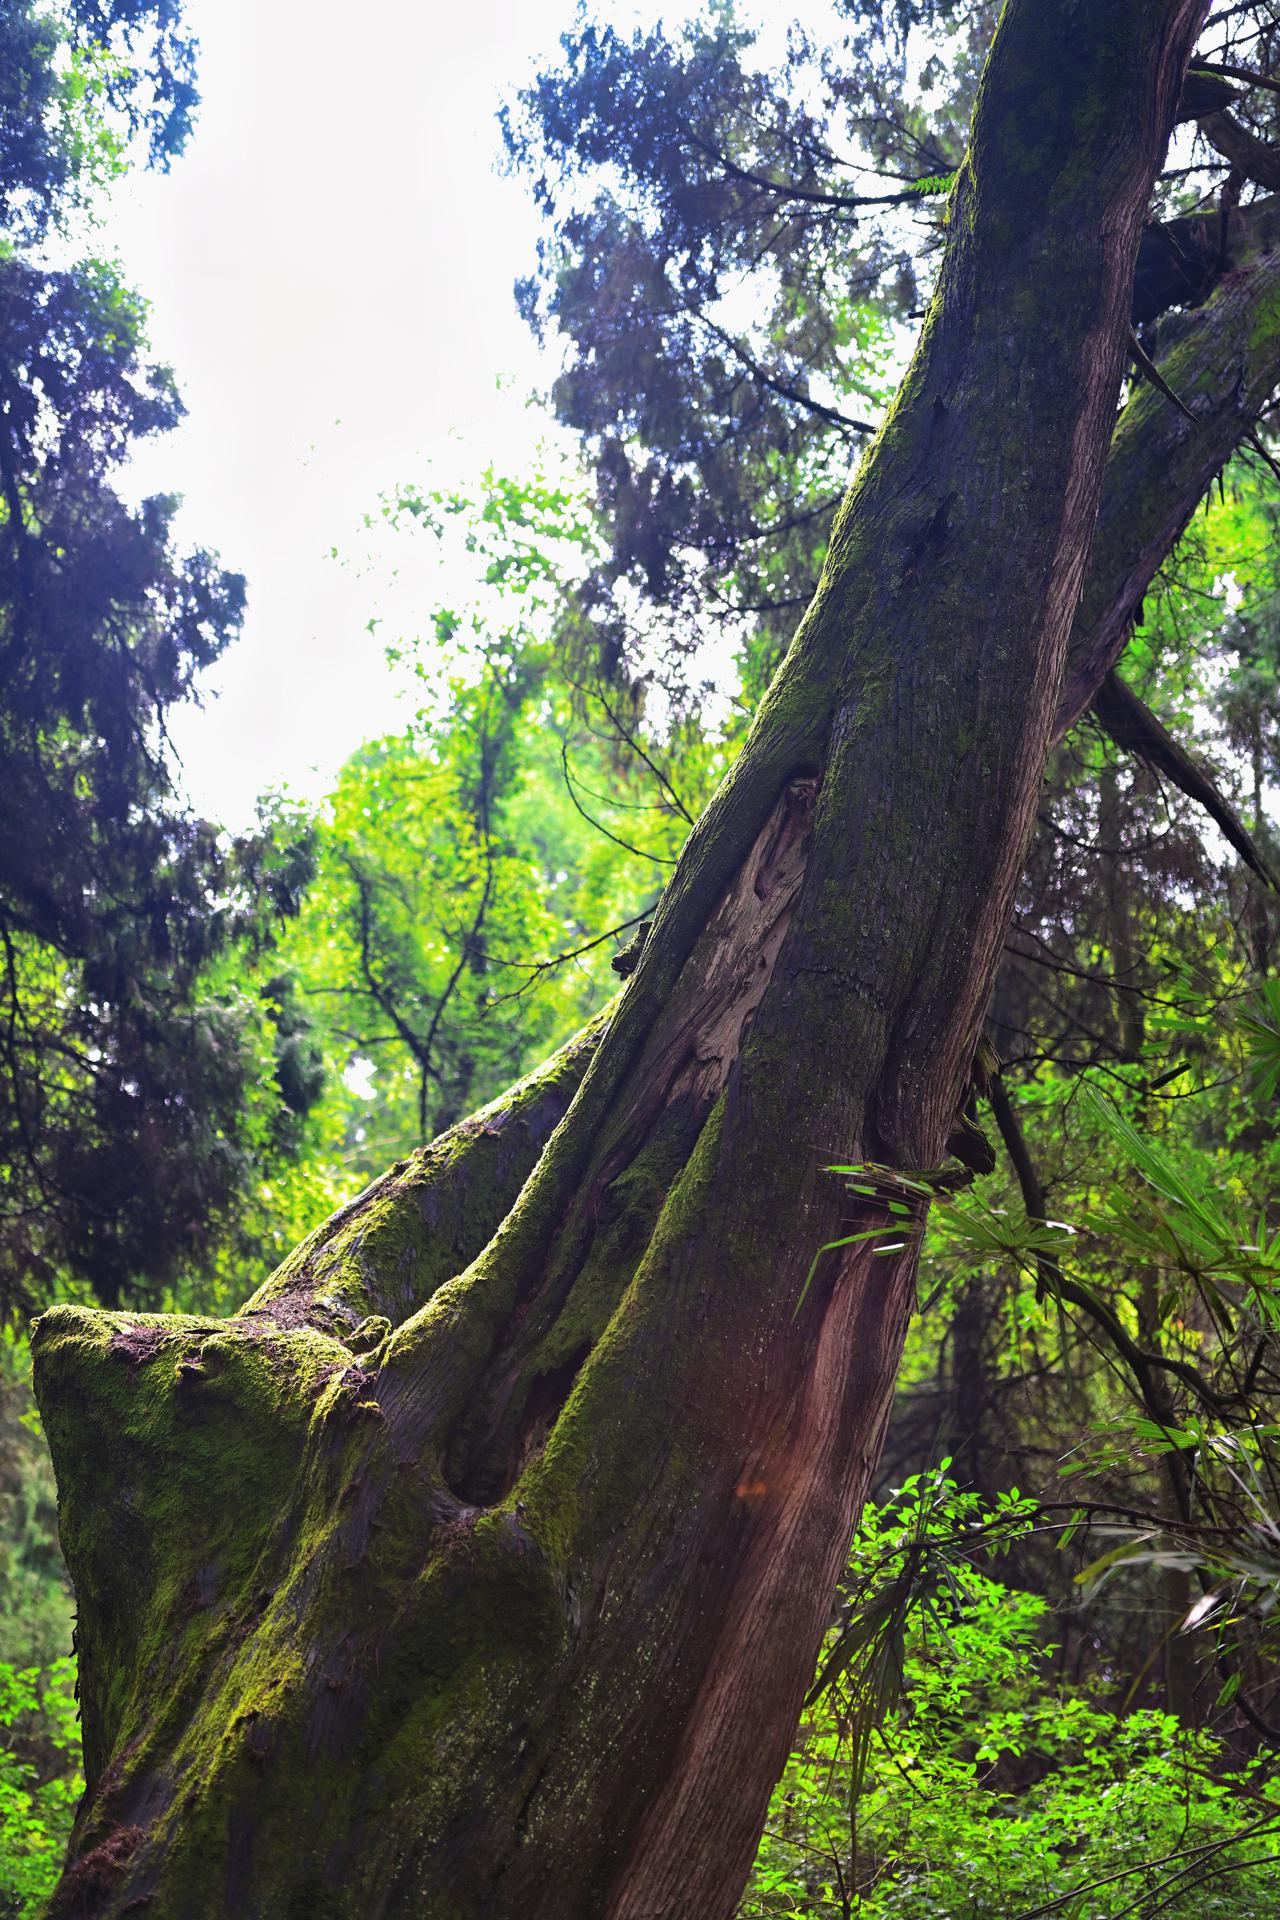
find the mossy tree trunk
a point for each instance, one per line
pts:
(507, 1608)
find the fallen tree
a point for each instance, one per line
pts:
(508, 1607)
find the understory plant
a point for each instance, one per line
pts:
(950, 1770)
(40, 1780)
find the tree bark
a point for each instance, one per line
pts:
(511, 1610)
(1223, 362)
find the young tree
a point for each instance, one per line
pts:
(510, 1609)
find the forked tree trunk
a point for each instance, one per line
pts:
(509, 1611)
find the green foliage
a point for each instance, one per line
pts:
(133, 1113)
(1183, 1226)
(78, 82)
(934, 183)
(723, 287)
(39, 1733)
(1262, 1031)
(911, 1560)
(477, 872)
(35, 1595)
(989, 1783)
(40, 1781)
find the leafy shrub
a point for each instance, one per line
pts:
(40, 1780)
(991, 1788)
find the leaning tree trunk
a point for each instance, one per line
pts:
(510, 1610)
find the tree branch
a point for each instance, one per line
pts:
(1135, 728)
(1227, 358)
(1252, 157)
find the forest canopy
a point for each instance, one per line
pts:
(958, 999)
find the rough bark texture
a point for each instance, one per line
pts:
(511, 1612)
(1223, 362)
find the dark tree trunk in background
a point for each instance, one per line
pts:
(507, 1609)
(1222, 365)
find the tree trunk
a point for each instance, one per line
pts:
(510, 1611)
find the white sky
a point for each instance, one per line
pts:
(330, 270)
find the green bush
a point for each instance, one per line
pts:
(993, 1789)
(40, 1780)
